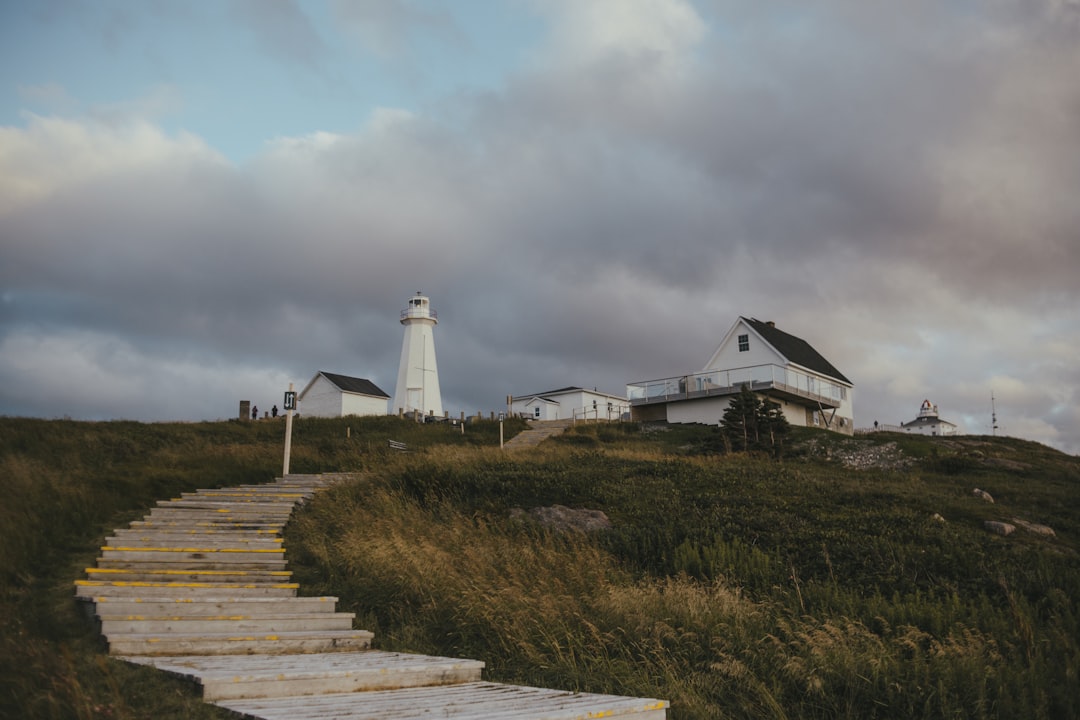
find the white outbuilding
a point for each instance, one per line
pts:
(333, 395)
(570, 403)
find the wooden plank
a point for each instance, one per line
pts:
(469, 701)
(246, 643)
(263, 676)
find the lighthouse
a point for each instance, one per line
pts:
(418, 375)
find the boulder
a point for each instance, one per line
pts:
(982, 495)
(936, 517)
(1035, 528)
(999, 528)
(562, 518)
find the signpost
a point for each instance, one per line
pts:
(290, 405)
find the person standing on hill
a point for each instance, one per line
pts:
(254, 412)
(273, 411)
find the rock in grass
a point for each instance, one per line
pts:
(1035, 528)
(562, 518)
(983, 495)
(999, 528)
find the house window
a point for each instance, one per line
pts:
(536, 412)
(744, 343)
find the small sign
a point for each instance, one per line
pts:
(290, 400)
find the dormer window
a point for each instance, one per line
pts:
(744, 343)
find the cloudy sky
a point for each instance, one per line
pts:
(202, 202)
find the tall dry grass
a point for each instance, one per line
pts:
(432, 563)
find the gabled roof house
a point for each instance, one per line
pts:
(775, 364)
(333, 395)
(569, 403)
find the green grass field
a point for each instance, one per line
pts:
(735, 586)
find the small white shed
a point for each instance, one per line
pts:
(333, 395)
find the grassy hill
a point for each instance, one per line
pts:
(854, 578)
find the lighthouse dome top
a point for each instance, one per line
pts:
(928, 409)
(419, 308)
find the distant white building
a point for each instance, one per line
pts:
(928, 422)
(570, 403)
(333, 395)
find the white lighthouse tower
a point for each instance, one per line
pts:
(418, 376)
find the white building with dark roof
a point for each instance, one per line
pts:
(927, 422)
(570, 403)
(333, 395)
(776, 365)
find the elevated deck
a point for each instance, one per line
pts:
(776, 381)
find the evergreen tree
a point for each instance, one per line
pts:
(775, 426)
(740, 421)
(750, 423)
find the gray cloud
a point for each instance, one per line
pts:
(896, 185)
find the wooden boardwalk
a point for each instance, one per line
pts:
(538, 431)
(200, 589)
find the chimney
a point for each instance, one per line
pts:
(770, 323)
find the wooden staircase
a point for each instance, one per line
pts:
(539, 431)
(200, 589)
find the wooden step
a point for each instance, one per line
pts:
(145, 538)
(229, 513)
(467, 701)
(191, 605)
(227, 505)
(232, 623)
(119, 588)
(221, 563)
(263, 494)
(299, 642)
(165, 554)
(236, 676)
(215, 525)
(248, 577)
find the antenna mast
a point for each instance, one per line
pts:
(993, 415)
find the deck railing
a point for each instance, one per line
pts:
(726, 382)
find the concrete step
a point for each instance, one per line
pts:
(231, 623)
(191, 605)
(248, 577)
(467, 701)
(239, 643)
(117, 588)
(233, 677)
